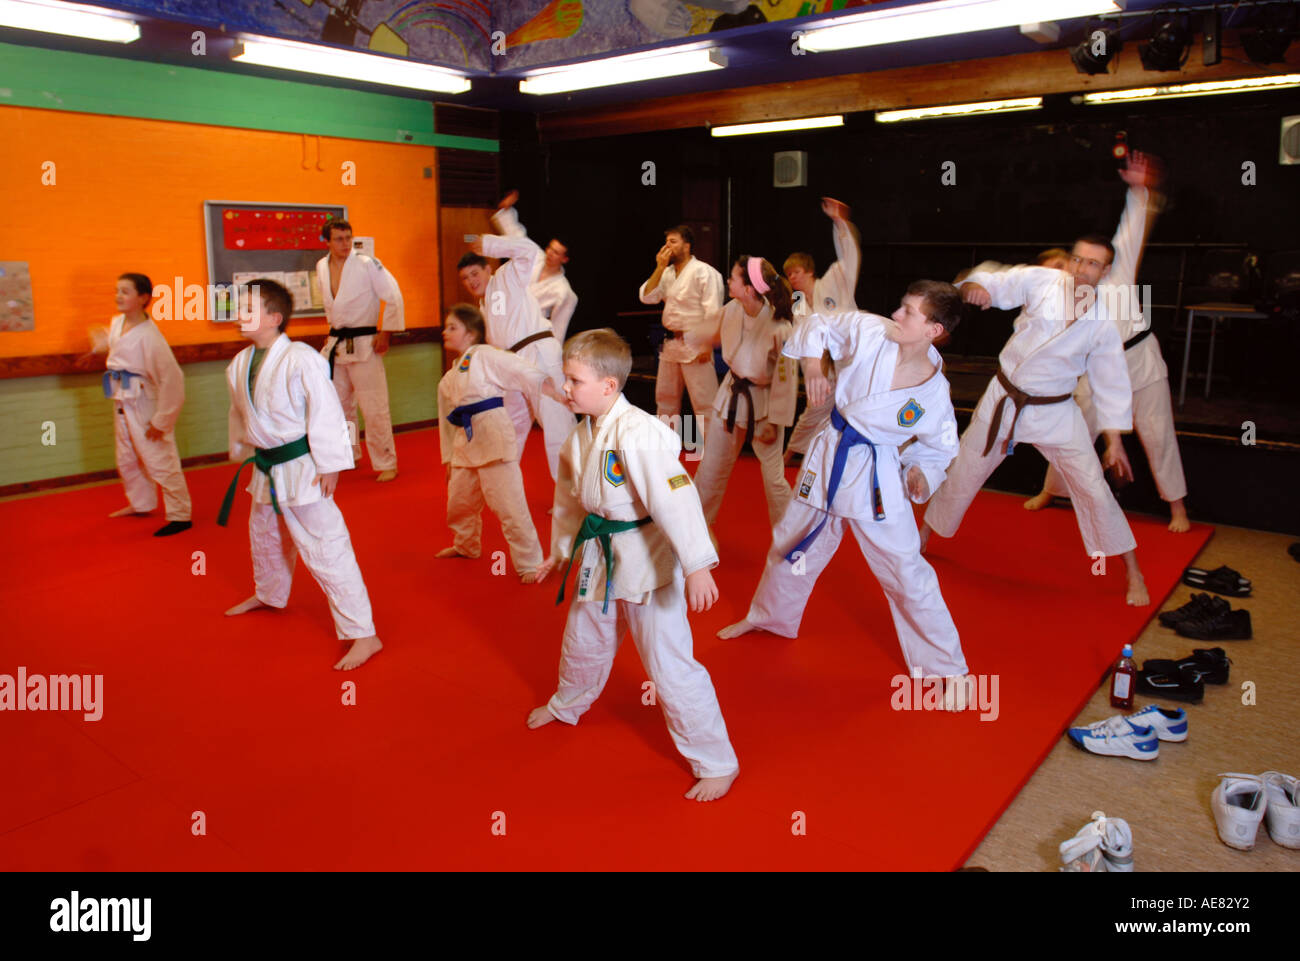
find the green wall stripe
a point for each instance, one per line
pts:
(86, 83)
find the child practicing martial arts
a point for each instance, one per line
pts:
(285, 417)
(1069, 326)
(627, 513)
(147, 389)
(479, 445)
(892, 433)
(757, 397)
(831, 293)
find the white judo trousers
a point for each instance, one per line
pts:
(317, 532)
(144, 465)
(556, 420)
(364, 384)
(682, 685)
(501, 486)
(721, 449)
(700, 380)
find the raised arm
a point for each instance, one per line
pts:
(843, 274)
(652, 291)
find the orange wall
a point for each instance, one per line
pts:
(128, 196)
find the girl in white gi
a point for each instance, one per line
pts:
(286, 418)
(478, 441)
(757, 397)
(831, 293)
(892, 434)
(628, 514)
(147, 389)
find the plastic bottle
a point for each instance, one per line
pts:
(1123, 680)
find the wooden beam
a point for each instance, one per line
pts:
(994, 78)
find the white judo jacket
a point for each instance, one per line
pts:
(692, 300)
(833, 291)
(363, 285)
(157, 394)
(483, 372)
(555, 298)
(509, 308)
(751, 346)
(292, 396)
(865, 360)
(625, 468)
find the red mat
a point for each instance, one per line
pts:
(242, 719)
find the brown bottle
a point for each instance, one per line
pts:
(1123, 680)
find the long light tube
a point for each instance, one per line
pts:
(355, 65)
(69, 19)
(960, 109)
(775, 126)
(1203, 89)
(628, 69)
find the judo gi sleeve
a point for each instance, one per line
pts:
(506, 371)
(518, 273)
(1013, 287)
(936, 446)
(566, 511)
(240, 449)
(842, 276)
(446, 430)
(650, 461)
(783, 395)
(1112, 391)
(384, 284)
(562, 314)
(327, 429)
(161, 367)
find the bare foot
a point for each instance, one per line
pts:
(528, 577)
(925, 535)
(1178, 522)
(956, 694)
(128, 511)
(735, 630)
(1137, 591)
(386, 475)
(1038, 501)
(450, 552)
(710, 788)
(362, 650)
(539, 716)
(244, 607)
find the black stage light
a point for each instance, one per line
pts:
(1170, 41)
(1097, 50)
(1267, 43)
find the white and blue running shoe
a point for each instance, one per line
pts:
(1117, 737)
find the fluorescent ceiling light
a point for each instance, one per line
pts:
(772, 126)
(629, 69)
(69, 19)
(960, 109)
(1195, 89)
(941, 18)
(353, 64)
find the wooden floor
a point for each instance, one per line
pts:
(1167, 802)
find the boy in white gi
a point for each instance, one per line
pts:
(352, 286)
(831, 293)
(629, 515)
(478, 441)
(551, 288)
(515, 323)
(147, 389)
(757, 397)
(1153, 409)
(691, 292)
(286, 418)
(891, 435)
(1067, 328)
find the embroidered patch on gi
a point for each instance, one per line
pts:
(614, 469)
(584, 581)
(910, 413)
(681, 480)
(829, 302)
(464, 363)
(805, 488)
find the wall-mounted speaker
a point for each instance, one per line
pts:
(790, 168)
(1288, 151)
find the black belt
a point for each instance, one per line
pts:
(1020, 399)
(739, 386)
(346, 333)
(530, 339)
(1137, 339)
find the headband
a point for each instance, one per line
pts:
(755, 266)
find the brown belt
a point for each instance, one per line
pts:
(739, 385)
(1020, 399)
(531, 338)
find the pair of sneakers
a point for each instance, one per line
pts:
(1103, 844)
(1137, 736)
(1242, 801)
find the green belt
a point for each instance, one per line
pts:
(264, 459)
(593, 525)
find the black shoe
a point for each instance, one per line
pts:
(1222, 580)
(172, 527)
(1171, 685)
(1199, 604)
(1227, 626)
(1210, 666)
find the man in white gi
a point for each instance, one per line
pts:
(1153, 410)
(892, 434)
(515, 323)
(831, 293)
(628, 514)
(286, 419)
(353, 285)
(691, 292)
(1066, 329)
(550, 288)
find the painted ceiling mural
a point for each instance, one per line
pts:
(460, 32)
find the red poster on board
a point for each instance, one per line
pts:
(273, 229)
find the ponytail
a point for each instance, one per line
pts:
(778, 295)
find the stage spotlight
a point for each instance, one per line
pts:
(1267, 43)
(1097, 50)
(1170, 41)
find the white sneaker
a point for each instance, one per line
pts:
(1117, 737)
(1282, 815)
(1103, 844)
(1168, 725)
(1238, 803)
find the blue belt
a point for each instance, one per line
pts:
(463, 415)
(122, 377)
(849, 437)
